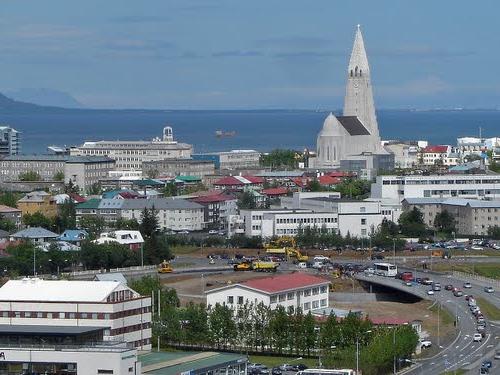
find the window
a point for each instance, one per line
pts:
(324, 289)
(62, 315)
(323, 302)
(273, 299)
(315, 291)
(307, 292)
(307, 306)
(49, 315)
(363, 221)
(289, 296)
(230, 300)
(104, 371)
(72, 315)
(315, 304)
(240, 300)
(282, 297)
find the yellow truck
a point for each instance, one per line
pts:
(165, 267)
(261, 266)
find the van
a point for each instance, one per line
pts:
(302, 265)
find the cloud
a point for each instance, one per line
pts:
(237, 53)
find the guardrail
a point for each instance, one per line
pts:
(470, 276)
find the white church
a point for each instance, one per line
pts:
(352, 141)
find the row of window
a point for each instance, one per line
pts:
(74, 315)
(128, 329)
(307, 220)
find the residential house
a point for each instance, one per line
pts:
(12, 214)
(38, 201)
(130, 238)
(36, 234)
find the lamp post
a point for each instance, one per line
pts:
(357, 352)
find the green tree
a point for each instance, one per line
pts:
(67, 216)
(29, 176)
(107, 255)
(315, 186)
(58, 176)
(246, 201)
(279, 325)
(6, 224)
(170, 189)
(222, 326)
(281, 159)
(353, 188)
(411, 223)
(310, 335)
(126, 224)
(444, 222)
(261, 316)
(494, 232)
(94, 225)
(149, 222)
(195, 324)
(37, 219)
(244, 324)
(329, 332)
(156, 249)
(9, 199)
(95, 189)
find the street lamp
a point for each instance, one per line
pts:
(357, 352)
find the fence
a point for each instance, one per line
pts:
(129, 271)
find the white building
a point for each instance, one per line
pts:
(10, 141)
(129, 155)
(437, 186)
(50, 349)
(130, 238)
(292, 291)
(122, 312)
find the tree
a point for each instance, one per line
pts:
(222, 325)
(58, 176)
(152, 173)
(156, 249)
(195, 324)
(29, 176)
(127, 224)
(107, 255)
(67, 216)
(71, 188)
(314, 185)
(281, 159)
(37, 219)
(494, 232)
(94, 225)
(6, 224)
(9, 199)
(329, 332)
(444, 222)
(261, 316)
(353, 188)
(411, 223)
(95, 189)
(170, 189)
(279, 326)
(149, 222)
(246, 201)
(310, 335)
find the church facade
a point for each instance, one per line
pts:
(355, 133)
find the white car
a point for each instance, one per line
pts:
(477, 337)
(302, 265)
(489, 289)
(213, 231)
(467, 285)
(430, 292)
(425, 343)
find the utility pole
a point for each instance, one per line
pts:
(439, 322)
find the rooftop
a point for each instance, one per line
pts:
(281, 283)
(6, 209)
(441, 149)
(35, 232)
(34, 289)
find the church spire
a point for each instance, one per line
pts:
(359, 97)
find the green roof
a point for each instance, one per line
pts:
(188, 178)
(173, 363)
(90, 204)
(148, 182)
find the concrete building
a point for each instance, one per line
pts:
(86, 171)
(38, 201)
(355, 135)
(405, 155)
(232, 160)
(129, 155)
(478, 186)
(178, 167)
(60, 349)
(434, 155)
(12, 214)
(122, 312)
(130, 238)
(10, 141)
(292, 291)
(472, 216)
(367, 164)
(218, 208)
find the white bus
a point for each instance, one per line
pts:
(317, 371)
(385, 269)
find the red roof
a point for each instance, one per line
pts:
(339, 174)
(282, 283)
(436, 149)
(254, 179)
(213, 198)
(275, 191)
(301, 181)
(77, 198)
(328, 180)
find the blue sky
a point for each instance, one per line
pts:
(229, 54)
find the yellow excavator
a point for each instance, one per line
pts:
(165, 267)
(285, 245)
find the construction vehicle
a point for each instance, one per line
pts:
(165, 267)
(260, 266)
(285, 245)
(243, 266)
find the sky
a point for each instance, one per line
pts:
(259, 54)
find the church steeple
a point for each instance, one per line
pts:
(359, 97)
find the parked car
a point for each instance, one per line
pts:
(458, 293)
(489, 289)
(484, 370)
(286, 367)
(425, 344)
(276, 371)
(448, 287)
(477, 337)
(213, 232)
(467, 285)
(430, 292)
(300, 367)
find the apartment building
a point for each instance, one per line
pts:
(86, 171)
(129, 155)
(178, 167)
(478, 186)
(10, 141)
(123, 313)
(292, 291)
(472, 216)
(433, 155)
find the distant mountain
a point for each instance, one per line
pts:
(44, 97)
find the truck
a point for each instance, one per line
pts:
(407, 276)
(261, 266)
(165, 267)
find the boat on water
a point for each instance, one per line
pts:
(222, 133)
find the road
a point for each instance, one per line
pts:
(463, 352)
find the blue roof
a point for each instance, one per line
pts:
(73, 235)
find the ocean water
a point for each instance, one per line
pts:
(261, 130)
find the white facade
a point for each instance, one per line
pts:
(437, 186)
(10, 141)
(124, 313)
(308, 297)
(86, 360)
(129, 155)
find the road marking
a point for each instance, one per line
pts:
(490, 346)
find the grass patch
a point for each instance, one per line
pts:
(456, 372)
(184, 249)
(272, 361)
(487, 308)
(491, 270)
(447, 318)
